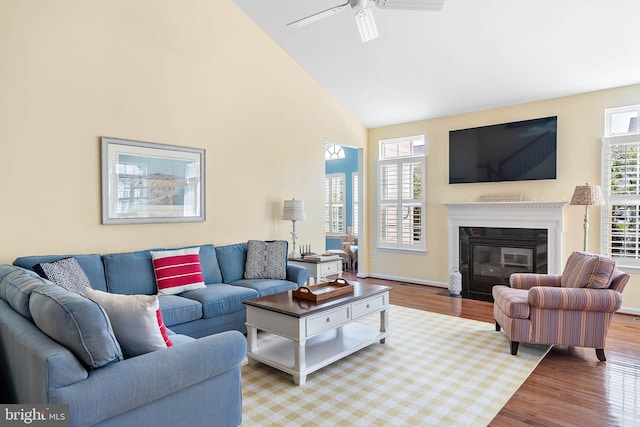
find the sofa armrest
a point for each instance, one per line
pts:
(132, 383)
(529, 280)
(297, 274)
(580, 299)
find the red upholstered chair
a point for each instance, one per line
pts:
(572, 309)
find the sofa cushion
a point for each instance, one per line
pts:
(177, 270)
(66, 273)
(220, 299)
(16, 285)
(76, 322)
(177, 309)
(232, 259)
(266, 287)
(266, 260)
(91, 265)
(136, 321)
(130, 273)
(584, 269)
(209, 264)
(122, 268)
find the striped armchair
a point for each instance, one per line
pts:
(572, 309)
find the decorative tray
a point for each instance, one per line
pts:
(324, 291)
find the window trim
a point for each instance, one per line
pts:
(400, 161)
(630, 264)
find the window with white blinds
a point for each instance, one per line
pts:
(621, 186)
(401, 194)
(335, 203)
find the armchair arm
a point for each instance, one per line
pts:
(580, 299)
(297, 274)
(529, 280)
(132, 383)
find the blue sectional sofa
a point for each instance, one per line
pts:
(57, 348)
(218, 307)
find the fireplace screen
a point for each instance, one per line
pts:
(497, 263)
(490, 255)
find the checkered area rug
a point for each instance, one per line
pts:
(434, 370)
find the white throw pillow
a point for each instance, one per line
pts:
(136, 321)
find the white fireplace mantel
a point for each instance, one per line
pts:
(524, 214)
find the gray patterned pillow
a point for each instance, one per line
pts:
(66, 273)
(266, 260)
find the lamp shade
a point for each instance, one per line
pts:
(293, 210)
(587, 195)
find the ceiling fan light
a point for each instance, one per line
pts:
(366, 25)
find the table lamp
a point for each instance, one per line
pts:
(293, 211)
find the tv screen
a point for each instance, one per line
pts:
(517, 151)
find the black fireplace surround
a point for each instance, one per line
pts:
(488, 256)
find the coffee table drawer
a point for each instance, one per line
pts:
(368, 306)
(327, 320)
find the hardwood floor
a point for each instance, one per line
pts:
(570, 387)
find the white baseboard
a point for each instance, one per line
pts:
(403, 279)
(627, 310)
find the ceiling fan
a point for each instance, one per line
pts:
(364, 16)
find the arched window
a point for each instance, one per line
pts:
(334, 152)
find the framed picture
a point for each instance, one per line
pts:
(144, 182)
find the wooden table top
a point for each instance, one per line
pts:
(285, 303)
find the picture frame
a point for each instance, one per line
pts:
(145, 182)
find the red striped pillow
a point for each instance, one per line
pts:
(177, 270)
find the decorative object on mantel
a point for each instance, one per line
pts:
(501, 198)
(293, 211)
(587, 195)
(455, 282)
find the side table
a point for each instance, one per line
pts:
(319, 270)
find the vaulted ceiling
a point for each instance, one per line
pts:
(471, 55)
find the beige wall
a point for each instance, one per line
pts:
(193, 73)
(580, 128)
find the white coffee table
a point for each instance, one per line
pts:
(313, 335)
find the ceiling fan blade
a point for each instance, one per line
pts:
(433, 5)
(317, 16)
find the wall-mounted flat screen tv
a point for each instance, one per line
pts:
(517, 151)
